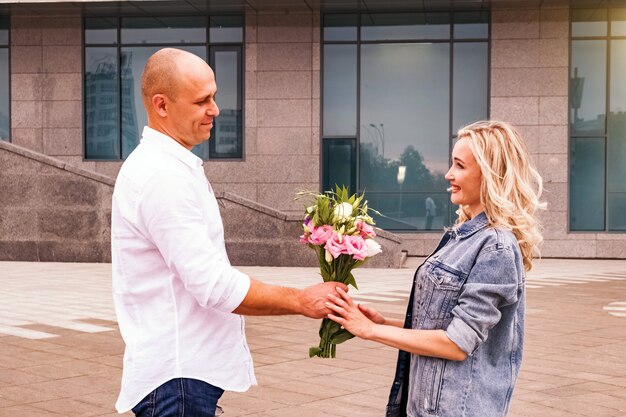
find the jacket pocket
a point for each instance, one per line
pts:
(446, 286)
(433, 384)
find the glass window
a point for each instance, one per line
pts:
(163, 30)
(403, 26)
(225, 143)
(339, 164)
(589, 22)
(339, 95)
(471, 25)
(114, 111)
(587, 165)
(226, 29)
(588, 87)
(5, 114)
(396, 101)
(597, 136)
(340, 27)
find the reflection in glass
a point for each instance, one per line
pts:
(339, 95)
(587, 165)
(471, 25)
(134, 116)
(616, 145)
(101, 104)
(339, 164)
(226, 136)
(153, 30)
(225, 29)
(618, 22)
(340, 27)
(404, 123)
(101, 30)
(470, 84)
(589, 22)
(398, 26)
(588, 87)
(4, 95)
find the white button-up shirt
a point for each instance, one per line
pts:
(173, 286)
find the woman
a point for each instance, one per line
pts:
(461, 343)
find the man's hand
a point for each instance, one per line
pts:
(313, 299)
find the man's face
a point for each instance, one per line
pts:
(193, 109)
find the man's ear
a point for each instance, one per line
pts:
(159, 103)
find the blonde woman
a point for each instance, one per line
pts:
(461, 343)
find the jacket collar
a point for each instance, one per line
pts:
(469, 227)
(170, 146)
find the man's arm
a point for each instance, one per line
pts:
(266, 300)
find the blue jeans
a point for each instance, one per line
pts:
(180, 397)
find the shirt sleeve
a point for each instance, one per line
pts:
(171, 210)
(492, 284)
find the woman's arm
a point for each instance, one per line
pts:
(422, 342)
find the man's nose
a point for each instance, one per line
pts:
(213, 110)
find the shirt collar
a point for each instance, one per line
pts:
(170, 146)
(470, 227)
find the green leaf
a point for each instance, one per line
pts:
(351, 281)
(314, 351)
(341, 337)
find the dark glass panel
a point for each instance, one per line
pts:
(616, 145)
(409, 26)
(589, 22)
(618, 22)
(101, 30)
(153, 30)
(226, 29)
(588, 88)
(471, 25)
(339, 164)
(101, 104)
(404, 125)
(5, 114)
(226, 136)
(587, 185)
(339, 95)
(340, 27)
(470, 84)
(134, 116)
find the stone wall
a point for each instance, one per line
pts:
(52, 211)
(529, 88)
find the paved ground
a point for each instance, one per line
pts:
(60, 351)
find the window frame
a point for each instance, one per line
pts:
(118, 45)
(451, 40)
(607, 103)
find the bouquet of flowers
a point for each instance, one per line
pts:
(338, 228)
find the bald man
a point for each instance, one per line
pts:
(178, 300)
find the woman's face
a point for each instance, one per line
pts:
(465, 178)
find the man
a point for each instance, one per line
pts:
(177, 298)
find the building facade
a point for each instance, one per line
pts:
(365, 94)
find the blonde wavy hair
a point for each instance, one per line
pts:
(510, 188)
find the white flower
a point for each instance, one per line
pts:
(373, 248)
(343, 211)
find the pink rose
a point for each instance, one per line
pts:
(355, 246)
(365, 230)
(319, 235)
(334, 246)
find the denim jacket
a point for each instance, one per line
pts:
(472, 286)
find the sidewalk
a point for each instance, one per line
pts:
(61, 353)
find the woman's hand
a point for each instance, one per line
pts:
(372, 314)
(350, 316)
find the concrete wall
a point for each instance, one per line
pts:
(52, 211)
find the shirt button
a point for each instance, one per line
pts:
(419, 286)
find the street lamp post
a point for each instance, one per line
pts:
(381, 134)
(400, 178)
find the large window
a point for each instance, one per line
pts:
(396, 88)
(598, 120)
(5, 114)
(116, 50)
